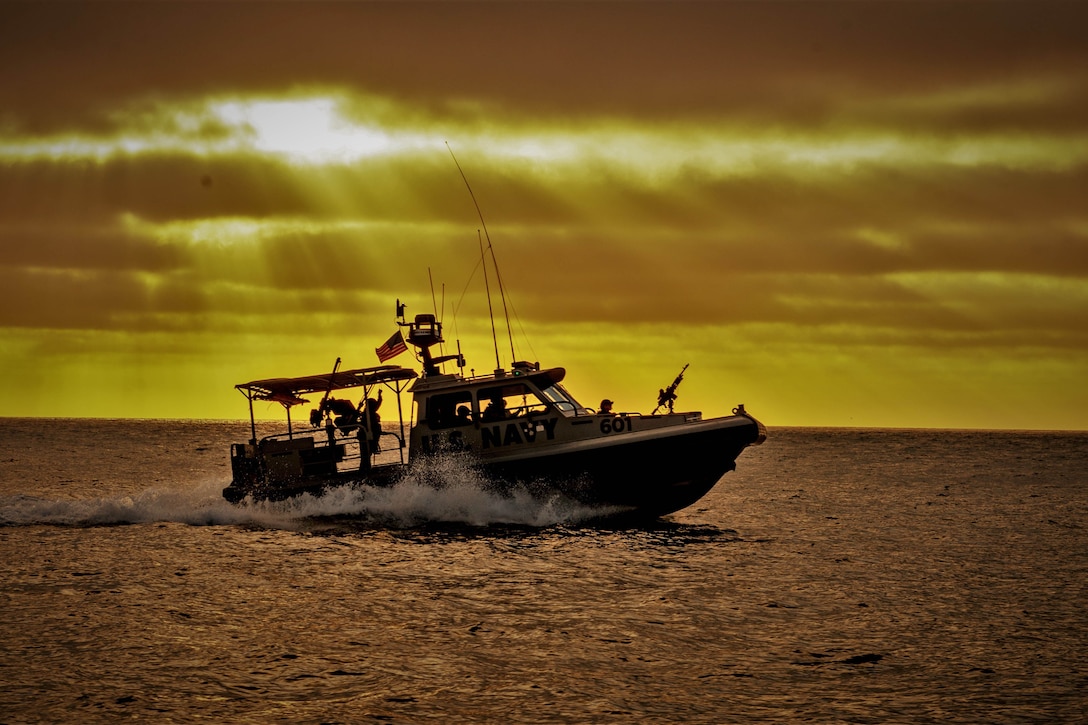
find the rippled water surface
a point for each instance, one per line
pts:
(837, 576)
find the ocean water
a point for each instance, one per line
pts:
(838, 575)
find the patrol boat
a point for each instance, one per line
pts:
(519, 427)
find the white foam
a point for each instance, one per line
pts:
(444, 492)
(199, 505)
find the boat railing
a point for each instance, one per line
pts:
(346, 436)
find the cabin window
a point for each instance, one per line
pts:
(509, 401)
(442, 409)
(558, 396)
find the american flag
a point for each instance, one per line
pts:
(392, 347)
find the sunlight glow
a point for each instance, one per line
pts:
(224, 231)
(309, 130)
(328, 128)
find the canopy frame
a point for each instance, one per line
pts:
(288, 392)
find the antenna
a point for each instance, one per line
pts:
(495, 262)
(434, 306)
(487, 286)
(502, 294)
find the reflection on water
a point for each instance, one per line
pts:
(836, 576)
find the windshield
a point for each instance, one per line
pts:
(562, 400)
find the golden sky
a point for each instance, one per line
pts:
(839, 213)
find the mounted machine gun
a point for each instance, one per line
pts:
(666, 397)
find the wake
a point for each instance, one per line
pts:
(438, 495)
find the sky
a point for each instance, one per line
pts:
(838, 213)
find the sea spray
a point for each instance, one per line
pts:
(199, 506)
(443, 490)
(437, 490)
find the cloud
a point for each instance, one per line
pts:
(694, 57)
(647, 227)
(870, 193)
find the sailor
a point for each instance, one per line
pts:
(464, 415)
(606, 407)
(495, 410)
(373, 421)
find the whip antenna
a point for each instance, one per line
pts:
(490, 312)
(494, 261)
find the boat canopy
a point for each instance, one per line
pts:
(288, 391)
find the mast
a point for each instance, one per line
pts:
(434, 306)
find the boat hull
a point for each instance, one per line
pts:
(650, 474)
(643, 474)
